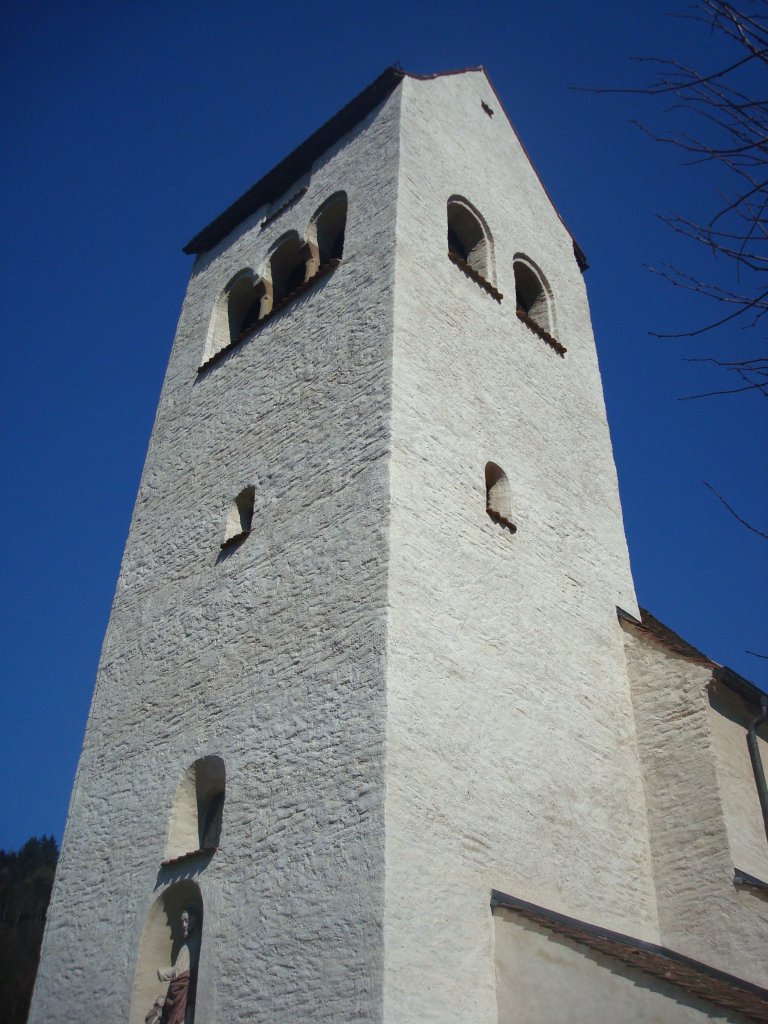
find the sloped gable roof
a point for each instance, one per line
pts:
(699, 979)
(275, 182)
(298, 162)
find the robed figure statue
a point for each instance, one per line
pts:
(181, 977)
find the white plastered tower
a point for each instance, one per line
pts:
(411, 701)
(511, 754)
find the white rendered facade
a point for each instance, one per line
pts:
(414, 705)
(502, 650)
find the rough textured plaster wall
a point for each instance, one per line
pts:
(511, 752)
(729, 717)
(272, 657)
(700, 912)
(539, 975)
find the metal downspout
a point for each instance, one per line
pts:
(757, 764)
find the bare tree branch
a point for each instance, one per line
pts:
(753, 372)
(719, 123)
(722, 120)
(735, 514)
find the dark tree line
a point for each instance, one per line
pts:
(26, 879)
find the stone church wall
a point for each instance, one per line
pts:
(269, 655)
(703, 811)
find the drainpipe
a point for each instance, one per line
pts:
(757, 764)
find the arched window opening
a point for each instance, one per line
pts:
(328, 227)
(240, 517)
(289, 269)
(246, 305)
(196, 815)
(498, 496)
(468, 239)
(242, 303)
(165, 982)
(531, 298)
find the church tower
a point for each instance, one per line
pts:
(363, 667)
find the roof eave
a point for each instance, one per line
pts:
(738, 684)
(275, 183)
(297, 163)
(698, 979)
(752, 694)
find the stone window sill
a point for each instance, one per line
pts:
(501, 520)
(205, 851)
(523, 317)
(322, 271)
(474, 276)
(236, 538)
(744, 881)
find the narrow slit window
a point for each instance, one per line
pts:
(240, 517)
(467, 239)
(531, 297)
(498, 496)
(196, 815)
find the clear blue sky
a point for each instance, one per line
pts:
(129, 126)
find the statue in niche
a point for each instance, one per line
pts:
(177, 1005)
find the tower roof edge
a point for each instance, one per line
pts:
(275, 182)
(578, 252)
(298, 162)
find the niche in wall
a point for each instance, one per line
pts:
(160, 945)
